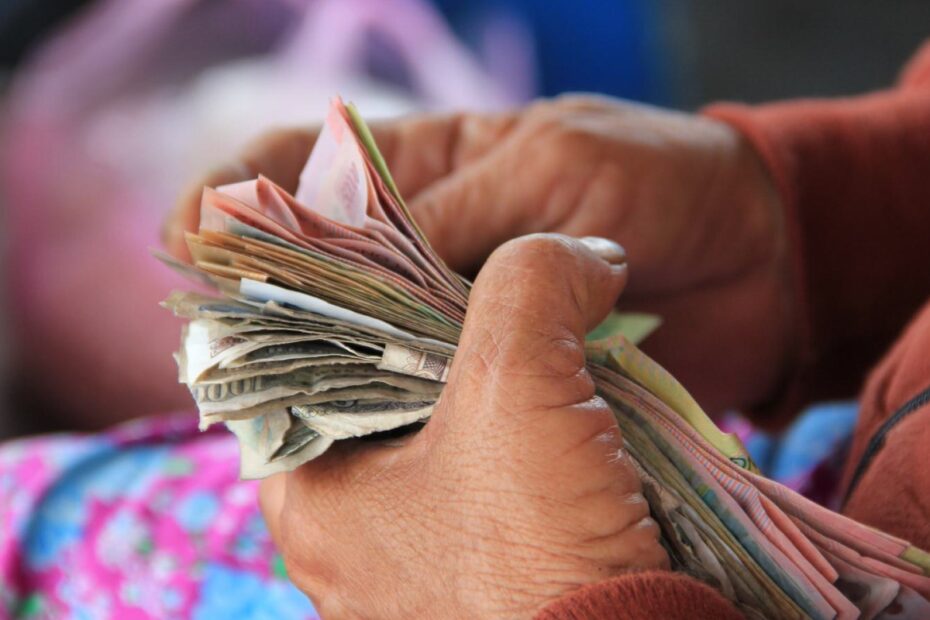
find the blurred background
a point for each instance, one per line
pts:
(109, 107)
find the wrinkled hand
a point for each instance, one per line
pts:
(515, 492)
(685, 195)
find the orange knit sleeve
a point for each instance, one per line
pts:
(854, 177)
(643, 596)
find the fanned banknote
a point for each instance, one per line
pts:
(334, 318)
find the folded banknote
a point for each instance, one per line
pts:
(333, 318)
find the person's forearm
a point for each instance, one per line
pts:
(854, 175)
(643, 596)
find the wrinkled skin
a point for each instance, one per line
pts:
(516, 490)
(685, 195)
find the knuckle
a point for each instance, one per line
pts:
(477, 132)
(576, 137)
(587, 102)
(546, 362)
(639, 512)
(639, 545)
(570, 100)
(602, 417)
(649, 550)
(626, 479)
(588, 438)
(538, 300)
(634, 511)
(554, 356)
(550, 392)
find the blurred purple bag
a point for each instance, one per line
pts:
(112, 117)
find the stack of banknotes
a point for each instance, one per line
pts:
(333, 318)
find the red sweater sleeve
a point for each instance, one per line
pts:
(643, 596)
(854, 177)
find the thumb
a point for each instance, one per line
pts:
(522, 346)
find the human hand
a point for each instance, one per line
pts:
(515, 492)
(686, 196)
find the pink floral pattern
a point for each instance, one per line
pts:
(149, 520)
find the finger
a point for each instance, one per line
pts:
(635, 546)
(524, 183)
(463, 215)
(271, 494)
(493, 198)
(419, 150)
(522, 346)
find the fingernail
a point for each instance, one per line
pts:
(609, 251)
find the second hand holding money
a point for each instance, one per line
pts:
(685, 195)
